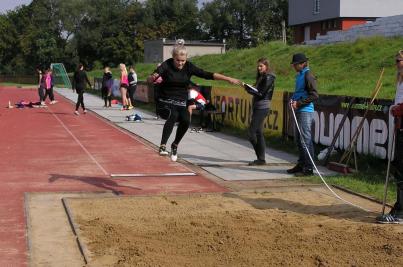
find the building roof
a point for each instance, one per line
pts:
(187, 43)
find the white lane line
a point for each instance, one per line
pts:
(153, 174)
(79, 143)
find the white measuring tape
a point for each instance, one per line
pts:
(314, 165)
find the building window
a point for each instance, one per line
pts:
(316, 6)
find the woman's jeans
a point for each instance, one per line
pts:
(255, 132)
(304, 140)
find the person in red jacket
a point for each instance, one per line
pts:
(198, 102)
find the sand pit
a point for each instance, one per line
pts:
(243, 229)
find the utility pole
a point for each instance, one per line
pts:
(284, 33)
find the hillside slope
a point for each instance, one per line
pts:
(341, 69)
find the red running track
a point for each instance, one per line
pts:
(53, 150)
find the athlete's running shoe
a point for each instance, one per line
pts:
(174, 153)
(163, 151)
(388, 219)
(76, 112)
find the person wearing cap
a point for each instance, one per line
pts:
(396, 214)
(302, 103)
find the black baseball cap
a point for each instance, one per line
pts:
(299, 58)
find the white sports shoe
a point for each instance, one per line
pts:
(76, 112)
(174, 153)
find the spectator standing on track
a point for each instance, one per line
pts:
(260, 109)
(396, 214)
(41, 86)
(106, 90)
(156, 86)
(124, 85)
(132, 85)
(302, 102)
(49, 82)
(80, 80)
(173, 94)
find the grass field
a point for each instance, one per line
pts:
(342, 69)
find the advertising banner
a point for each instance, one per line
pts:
(377, 126)
(237, 105)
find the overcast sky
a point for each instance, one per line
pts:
(11, 4)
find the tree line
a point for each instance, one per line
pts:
(107, 32)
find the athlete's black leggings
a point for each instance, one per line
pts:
(41, 94)
(80, 98)
(398, 164)
(255, 132)
(175, 114)
(49, 92)
(131, 91)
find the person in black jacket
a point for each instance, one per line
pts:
(132, 85)
(106, 90)
(260, 108)
(79, 83)
(173, 93)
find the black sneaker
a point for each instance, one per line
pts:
(257, 162)
(174, 153)
(295, 169)
(163, 151)
(388, 219)
(306, 172)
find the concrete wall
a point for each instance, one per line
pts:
(194, 51)
(388, 27)
(158, 51)
(301, 11)
(153, 52)
(370, 8)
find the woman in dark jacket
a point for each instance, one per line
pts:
(260, 108)
(107, 82)
(80, 80)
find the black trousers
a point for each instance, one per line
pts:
(80, 98)
(49, 92)
(131, 91)
(174, 114)
(107, 95)
(255, 132)
(398, 164)
(156, 97)
(41, 94)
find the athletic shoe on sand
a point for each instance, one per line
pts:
(389, 219)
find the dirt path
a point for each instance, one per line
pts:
(289, 227)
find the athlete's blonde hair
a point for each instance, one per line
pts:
(179, 48)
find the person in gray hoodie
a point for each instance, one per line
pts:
(262, 95)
